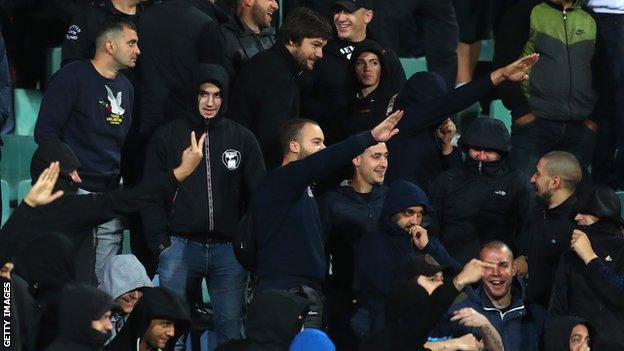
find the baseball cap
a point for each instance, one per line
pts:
(353, 5)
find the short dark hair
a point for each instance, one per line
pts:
(301, 23)
(291, 130)
(110, 26)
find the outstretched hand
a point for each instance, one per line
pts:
(472, 272)
(386, 129)
(191, 157)
(516, 71)
(41, 192)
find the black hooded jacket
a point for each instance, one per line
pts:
(558, 331)
(365, 112)
(578, 290)
(481, 201)
(211, 201)
(274, 319)
(80, 305)
(155, 303)
(47, 274)
(327, 92)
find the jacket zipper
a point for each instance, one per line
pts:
(565, 31)
(175, 197)
(209, 179)
(480, 165)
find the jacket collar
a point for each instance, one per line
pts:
(240, 27)
(289, 60)
(563, 209)
(345, 188)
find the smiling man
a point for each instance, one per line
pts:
(327, 99)
(248, 33)
(266, 93)
(347, 213)
(499, 299)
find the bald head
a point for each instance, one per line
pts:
(565, 166)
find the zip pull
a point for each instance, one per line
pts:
(565, 14)
(480, 165)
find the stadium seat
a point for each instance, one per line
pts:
(17, 152)
(53, 62)
(500, 112)
(27, 104)
(467, 116)
(22, 189)
(413, 65)
(620, 195)
(6, 210)
(487, 50)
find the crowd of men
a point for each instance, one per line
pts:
(326, 199)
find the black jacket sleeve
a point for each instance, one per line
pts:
(609, 281)
(433, 111)
(290, 180)
(78, 43)
(512, 35)
(154, 215)
(254, 168)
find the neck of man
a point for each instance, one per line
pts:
(367, 90)
(129, 7)
(143, 345)
(567, 4)
(104, 67)
(360, 185)
(288, 158)
(248, 19)
(502, 302)
(559, 197)
(358, 37)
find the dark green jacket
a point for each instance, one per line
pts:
(560, 85)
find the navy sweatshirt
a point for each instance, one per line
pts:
(288, 227)
(91, 114)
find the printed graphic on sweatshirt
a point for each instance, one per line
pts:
(231, 159)
(114, 110)
(347, 51)
(72, 32)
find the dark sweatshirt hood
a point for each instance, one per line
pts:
(50, 151)
(558, 330)
(487, 133)
(401, 195)
(208, 73)
(421, 86)
(80, 305)
(155, 303)
(274, 318)
(602, 202)
(51, 268)
(367, 46)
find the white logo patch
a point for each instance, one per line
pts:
(608, 258)
(231, 159)
(72, 32)
(500, 192)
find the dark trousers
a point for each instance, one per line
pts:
(437, 24)
(531, 141)
(606, 168)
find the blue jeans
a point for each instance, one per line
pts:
(183, 264)
(531, 141)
